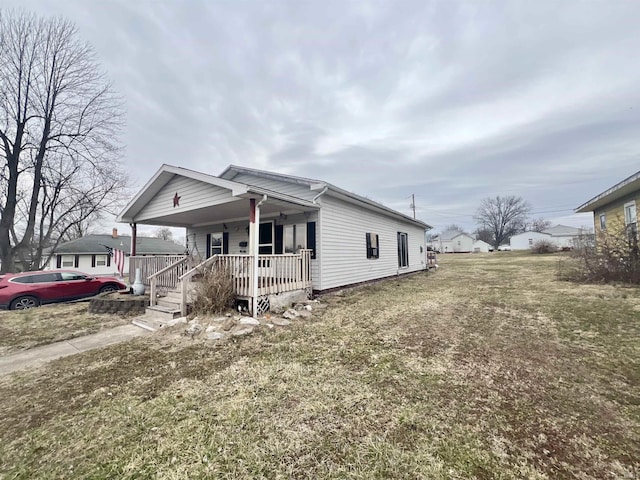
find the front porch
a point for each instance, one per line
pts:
(275, 274)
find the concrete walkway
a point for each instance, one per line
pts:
(38, 356)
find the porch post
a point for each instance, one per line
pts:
(254, 219)
(134, 230)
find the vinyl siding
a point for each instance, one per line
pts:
(342, 248)
(288, 188)
(197, 237)
(614, 214)
(193, 194)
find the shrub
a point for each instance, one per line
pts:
(214, 291)
(615, 258)
(544, 246)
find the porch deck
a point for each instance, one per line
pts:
(276, 273)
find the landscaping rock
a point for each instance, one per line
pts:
(215, 336)
(291, 314)
(244, 330)
(219, 319)
(228, 324)
(176, 321)
(281, 322)
(304, 313)
(249, 321)
(211, 328)
(193, 330)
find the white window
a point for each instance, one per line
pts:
(216, 244)
(603, 221)
(68, 261)
(295, 238)
(372, 245)
(101, 260)
(631, 219)
(630, 213)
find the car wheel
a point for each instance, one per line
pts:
(24, 303)
(108, 288)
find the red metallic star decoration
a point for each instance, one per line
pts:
(176, 200)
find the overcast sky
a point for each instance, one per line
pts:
(450, 101)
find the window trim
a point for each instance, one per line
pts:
(373, 245)
(403, 250)
(627, 221)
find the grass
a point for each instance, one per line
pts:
(489, 368)
(23, 329)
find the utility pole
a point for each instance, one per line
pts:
(413, 205)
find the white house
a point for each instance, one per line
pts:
(453, 241)
(564, 236)
(263, 223)
(560, 235)
(480, 246)
(526, 240)
(90, 254)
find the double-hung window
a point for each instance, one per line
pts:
(403, 250)
(630, 218)
(603, 221)
(216, 244)
(373, 250)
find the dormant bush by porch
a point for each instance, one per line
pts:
(214, 290)
(614, 258)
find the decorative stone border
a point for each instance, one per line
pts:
(118, 303)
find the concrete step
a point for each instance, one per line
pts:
(153, 324)
(162, 313)
(171, 304)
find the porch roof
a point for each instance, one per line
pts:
(228, 207)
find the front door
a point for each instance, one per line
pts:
(265, 239)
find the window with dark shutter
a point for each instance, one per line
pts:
(76, 261)
(311, 238)
(372, 245)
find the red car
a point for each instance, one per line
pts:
(19, 291)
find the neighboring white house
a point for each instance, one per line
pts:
(526, 240)
(89, 254)
(564, 236)
(480, 246)
(560, 235)
(245, 211)
(453, 241)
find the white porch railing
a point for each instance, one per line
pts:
(151, 265)
(276, 273)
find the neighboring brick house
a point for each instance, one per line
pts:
(614, 210)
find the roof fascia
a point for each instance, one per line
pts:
(601, 199)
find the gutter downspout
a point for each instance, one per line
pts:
(256, 251)
(324, 190)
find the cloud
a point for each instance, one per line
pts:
(450, 101)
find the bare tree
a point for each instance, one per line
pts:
(484, 234)
(538, 225)
(164, 233)
(453, 227)
(59, 125)
(502, 216)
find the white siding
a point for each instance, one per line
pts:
(197, 237)
(84, 266)
(524, 241)
(193, 194)
(288, 188)
(342, 251)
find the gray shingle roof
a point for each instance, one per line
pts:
(96, 243)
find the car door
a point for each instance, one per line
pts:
(74, 285)
(45, 286)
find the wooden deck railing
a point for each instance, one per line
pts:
(150, 265)
(276, 273)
